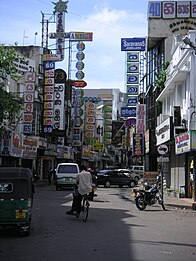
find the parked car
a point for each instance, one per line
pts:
(118, 177)
(137, 169)
(136, 176)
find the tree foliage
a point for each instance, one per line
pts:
(160, 81)
(9, 105)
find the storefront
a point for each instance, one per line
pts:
(185, 144)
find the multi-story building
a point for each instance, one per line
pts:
(178, 107)
(166, 20)
(24, 142)
(99, 150)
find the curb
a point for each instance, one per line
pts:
(178, 206)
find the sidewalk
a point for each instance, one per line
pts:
(184, 203)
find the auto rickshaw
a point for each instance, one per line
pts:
(16, 198)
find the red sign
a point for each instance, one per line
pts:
(79, 83)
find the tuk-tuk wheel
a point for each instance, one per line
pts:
(24, 231)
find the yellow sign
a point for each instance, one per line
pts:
(98, 146)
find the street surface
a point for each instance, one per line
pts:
(116, 230)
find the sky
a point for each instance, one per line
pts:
(109, 20)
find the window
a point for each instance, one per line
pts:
(6, 187)
(68, 169)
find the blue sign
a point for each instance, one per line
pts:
(48, 65)
(128, 111)
(132, 78)
(92, 99)
(131, 101)
(132, 89)
(132, 67)
(133, 44)
(133, 57)
(47, 129)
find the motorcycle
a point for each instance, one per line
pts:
(149, 197)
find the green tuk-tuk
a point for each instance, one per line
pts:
(16, 198)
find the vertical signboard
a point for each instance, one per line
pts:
(138, 144)
(141, 118)
(29, 90)
(48, 96)
(60, 31)
(107, 115)
(59, 99)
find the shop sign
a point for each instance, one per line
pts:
(5, 143)
(163, 131)
(128, 111)
(133, 44)
(80, 56)
(132, 89)
(133, 78)
(183, 142)
(81, 36)
(79, 75)
(80, 46)
(138, 144)
(79, 83)
(90, 134)
(51, 57)
(150, 177)
(90, 119)
(132, 67)
(90, 113)
(131, 101)
(78, 92)
(80, 65)
(171, 9)
(98, 146)
(90, 127)
(30, 148)
(59, 96)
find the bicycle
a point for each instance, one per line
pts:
(85, 208)
(84, 204)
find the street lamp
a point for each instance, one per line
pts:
(188, 41)
(36, 33)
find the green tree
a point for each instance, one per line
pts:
(160, 81)
(9, 104)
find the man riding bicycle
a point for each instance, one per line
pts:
(84, 186)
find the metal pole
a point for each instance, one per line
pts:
(162, 176)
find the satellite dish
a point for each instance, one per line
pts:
(16, 43)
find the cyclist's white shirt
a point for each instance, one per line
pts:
(84, 181)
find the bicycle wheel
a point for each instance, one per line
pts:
(85, 209)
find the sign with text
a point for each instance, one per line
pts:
(133, 44)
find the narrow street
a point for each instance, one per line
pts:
(116, 230)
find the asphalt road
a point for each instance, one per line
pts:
(116, 230)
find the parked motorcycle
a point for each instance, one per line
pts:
(149, 197)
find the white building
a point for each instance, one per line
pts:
(178, 112)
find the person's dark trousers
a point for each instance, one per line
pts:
(76, 205)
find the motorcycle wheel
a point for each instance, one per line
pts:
(140, 203)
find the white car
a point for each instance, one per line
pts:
(65, 175)
(133, 175)
(138, 170)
